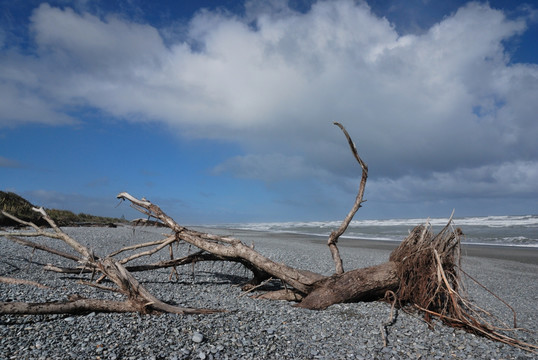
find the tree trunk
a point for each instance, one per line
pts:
(364, 284)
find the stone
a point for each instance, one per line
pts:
(197, 337)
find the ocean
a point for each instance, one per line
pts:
(486, 230)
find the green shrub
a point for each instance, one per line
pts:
(22, 208)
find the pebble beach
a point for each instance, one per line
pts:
(250, 328)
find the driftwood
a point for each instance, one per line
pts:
(138, 298)
(423, 272)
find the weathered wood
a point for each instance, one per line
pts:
(9, 280)
(229, 248)
(335, 235)
(283, 294)
(137, 296)
(364, 284)
(79, 306)
(34, 245)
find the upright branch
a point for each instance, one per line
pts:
(335, 235)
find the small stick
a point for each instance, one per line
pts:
(163, 243)
(102, 287)
(173, 270)
(492, 293)
(255, 287)
(41, 247)
(391, 319)
(8, 280)
(137, 246)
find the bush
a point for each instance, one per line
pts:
(22, 208)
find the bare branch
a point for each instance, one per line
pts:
(169, 240)
(41, 247)
(79, 306)
(8, 280)
(335, 235)
(230, 248)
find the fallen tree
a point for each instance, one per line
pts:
(423, 272)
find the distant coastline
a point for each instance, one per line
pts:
(21, 208)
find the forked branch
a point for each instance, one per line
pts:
(138, 298)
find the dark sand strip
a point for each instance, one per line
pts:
(528, 255)
(522, 254)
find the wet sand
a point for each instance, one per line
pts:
(528, 255)
(522, 254)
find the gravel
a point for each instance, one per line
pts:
(249, 329)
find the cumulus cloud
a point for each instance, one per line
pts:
(435, 108)
(20, 106)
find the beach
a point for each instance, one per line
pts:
(512, 253)
(255, 329)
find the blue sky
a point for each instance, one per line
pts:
(222, 111)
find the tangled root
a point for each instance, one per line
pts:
(429, 269)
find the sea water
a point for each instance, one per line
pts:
(487, 230)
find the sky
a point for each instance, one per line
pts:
(223, 111)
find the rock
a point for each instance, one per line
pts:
(197, 337)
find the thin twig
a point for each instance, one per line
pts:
(136, 246)
(163, 244)
(391, 319)
(255, 287)
(95, 285)
(492, 293)
(8, 280)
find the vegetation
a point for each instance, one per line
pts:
(22, 208)
(19, 207)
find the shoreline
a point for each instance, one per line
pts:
(523, 254)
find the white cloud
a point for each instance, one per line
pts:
(92, 44)
(444, 100)
(20, 105)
